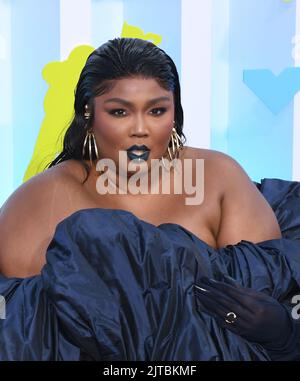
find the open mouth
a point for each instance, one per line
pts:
(138, 155)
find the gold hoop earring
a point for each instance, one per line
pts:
(177, 145)
(89, 140)
(92, 144)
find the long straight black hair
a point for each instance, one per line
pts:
(117, 59)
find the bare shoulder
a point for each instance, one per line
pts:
(29, 216)
(218, 167)
(197, 153)
(245, 213)
(40, 189)
(213, 157)
(222, 167)
(232, 179)
(232, 176)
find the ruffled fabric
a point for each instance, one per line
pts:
(118, 288)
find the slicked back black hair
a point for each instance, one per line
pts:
(117, 59)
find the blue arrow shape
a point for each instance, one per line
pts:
(275, 91)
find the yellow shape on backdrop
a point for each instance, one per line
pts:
(62, 78)
(135, 32)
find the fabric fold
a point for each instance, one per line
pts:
(115, 287)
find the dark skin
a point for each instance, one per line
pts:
(232, 210)
(144, 114)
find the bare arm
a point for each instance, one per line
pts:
(246, 215)
(27, 223)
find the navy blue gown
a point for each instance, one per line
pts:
(118, 288)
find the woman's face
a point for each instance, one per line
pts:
(136, 111)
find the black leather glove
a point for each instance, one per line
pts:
(253, 315)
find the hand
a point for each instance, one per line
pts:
(251, 314)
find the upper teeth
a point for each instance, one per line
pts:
(138, 152)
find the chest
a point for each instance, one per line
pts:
(202, 220)
(199, 212)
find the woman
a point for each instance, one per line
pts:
(128, 100)
(137, 72)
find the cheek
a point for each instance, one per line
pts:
(163, 132)
(106, 130)
(110, 131)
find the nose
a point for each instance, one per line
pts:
(139, 128)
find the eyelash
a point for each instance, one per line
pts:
(112, 112)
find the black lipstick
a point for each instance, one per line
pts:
(145, 151)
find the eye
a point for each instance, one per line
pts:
(159, 111)
(116, 112)
(119, 112)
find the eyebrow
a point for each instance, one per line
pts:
(129, 104)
